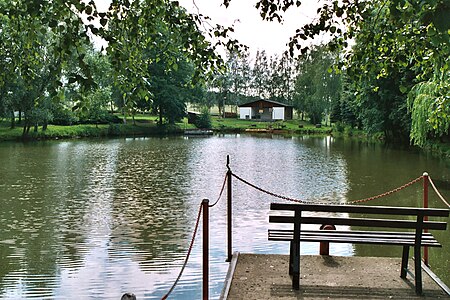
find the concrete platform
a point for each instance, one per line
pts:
(255, 276)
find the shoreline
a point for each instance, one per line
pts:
(56, 132)
(59, 132)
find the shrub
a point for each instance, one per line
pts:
(348, 130)
(204, 120)
(339, 127)
(63, 116)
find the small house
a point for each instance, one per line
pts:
(265, 110)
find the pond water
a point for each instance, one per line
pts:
(85, 219)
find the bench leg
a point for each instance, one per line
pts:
(296, 265)
(296, 281)
(291, 258)
(418, 269)
(405, 257)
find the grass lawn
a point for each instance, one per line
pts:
(88, 130)
(290, 125)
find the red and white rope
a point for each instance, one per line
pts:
(437, 192)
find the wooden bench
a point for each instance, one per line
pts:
(401, 219)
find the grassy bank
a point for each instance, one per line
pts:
(146, 125)
(290, 126)
(140, 128)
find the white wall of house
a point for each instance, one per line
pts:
(245, 112)
(278, 113)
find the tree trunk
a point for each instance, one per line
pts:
(26, 128)
(44, 126)
(160, 116)
(20, 116)
(36, 127)
(13, 120)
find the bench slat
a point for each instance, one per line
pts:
(385, 210)
(425, 236)
(343, 237)
(357, 232)
(386, 223)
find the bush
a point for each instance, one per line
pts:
(204, 120)
(99, 117)
(339, 127)
(63, 116)
(348, 130)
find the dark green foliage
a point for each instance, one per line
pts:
(99, 117)
(169, 89)
(63, 116)
(317, 87)
(45, 51)
(203, 120)
(399, 48)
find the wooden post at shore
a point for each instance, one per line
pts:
(425, 205)
(205, 204)
(229, 212)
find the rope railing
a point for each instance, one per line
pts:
(226, 179)
(221, 192)
(193, 240)
(187, 255)
(266, 191)
(311, 202)
(437, 192)
(389, 192)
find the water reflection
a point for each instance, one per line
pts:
(95, 219)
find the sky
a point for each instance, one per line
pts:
(250, 29)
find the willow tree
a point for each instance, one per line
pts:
(429, 102)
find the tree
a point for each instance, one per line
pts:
(203, 120)
(40, 39)
(260, 75)
(287, 74)
(317, 87)
(430, 107)
(402, 47)
(37, 40)
(169, 89)
(391, 55)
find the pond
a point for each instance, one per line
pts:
(84, 219)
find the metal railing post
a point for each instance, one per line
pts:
(205, 204)
(229, 212)
(425, 205)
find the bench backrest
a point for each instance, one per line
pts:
(370, 220)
